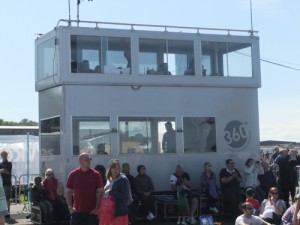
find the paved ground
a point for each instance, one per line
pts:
(18, 215)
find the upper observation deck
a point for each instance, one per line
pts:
(119, 54)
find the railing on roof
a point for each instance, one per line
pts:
(166, 28)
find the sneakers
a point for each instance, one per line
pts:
(214, 209)
(178, 222)
(183, 222)
(150, 216)
(191, 220)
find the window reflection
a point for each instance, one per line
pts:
(145, 135)
(166, 57)
(46, 59)
(50, 136)
(109, 55)
(199, 134)
(226, 59)
(91, 135)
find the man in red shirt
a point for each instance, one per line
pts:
(85, 185)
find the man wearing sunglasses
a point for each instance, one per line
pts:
(247, 218)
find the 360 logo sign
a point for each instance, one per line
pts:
(236, 134)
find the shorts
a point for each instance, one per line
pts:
(8, 191)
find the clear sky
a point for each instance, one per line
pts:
(276, 20)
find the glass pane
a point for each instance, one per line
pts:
(146, 135)
(117, 55)
(85, 54)
(180, 57)
(199, 134)
(226, 59)
(91, 135)
(151, 56)
(50, 136)
(239, 60)
(46, 59)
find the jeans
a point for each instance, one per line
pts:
(83, 218)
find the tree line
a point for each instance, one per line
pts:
(23, 122)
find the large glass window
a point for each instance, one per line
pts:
(46, 59)
(109, 55)
(226, 59)
(91, 135)
(50, 136)
(166, 57)
(199, 134)
(147, 135)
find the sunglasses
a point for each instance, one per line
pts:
(274, 193)
(249, 208)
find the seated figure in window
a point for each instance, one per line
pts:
(84, 67)
(163, 69)
(169, 139)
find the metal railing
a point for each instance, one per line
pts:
(166, 28)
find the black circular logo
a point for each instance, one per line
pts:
(236, 134)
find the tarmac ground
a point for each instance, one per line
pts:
(18, 213)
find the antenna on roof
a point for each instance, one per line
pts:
(69, 5)
(78, 3)
(251, 17)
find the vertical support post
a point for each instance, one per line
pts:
(28, 172)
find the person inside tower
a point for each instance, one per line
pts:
(84, 67)
(101, 149)
(163, 69)
(169, 139)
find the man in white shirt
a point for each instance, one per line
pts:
(247, 218)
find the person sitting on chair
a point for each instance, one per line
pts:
(37, 198)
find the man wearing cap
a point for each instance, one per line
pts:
(85, 186)
(5, 171)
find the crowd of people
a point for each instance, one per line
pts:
(262, 192)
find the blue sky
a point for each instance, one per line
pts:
(276, 20)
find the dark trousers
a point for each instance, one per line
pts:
(287, 187)
(231, 201)
(211, 201)
(82, 218)
(148, 203)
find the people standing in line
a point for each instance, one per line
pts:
(182, 201)
(5, 171)
(193, 201)
(117, 195)
(3, 204)
(37, 197)
(208, 186)
(85, 187)
(273, 206)
(144, 190)
(169, 139)
(230, 179)
(133, 207)
(247, 218)
(251, 171)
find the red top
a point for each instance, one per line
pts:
(253, 201)
(51, 188)
(84, 185)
